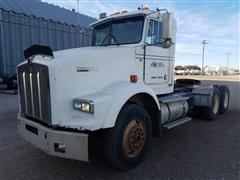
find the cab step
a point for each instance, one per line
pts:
(177, 122)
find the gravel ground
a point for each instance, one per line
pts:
(199, 149)
(235, 77)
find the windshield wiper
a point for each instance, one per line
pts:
(115, 40)
(105, 38)
(112, 36)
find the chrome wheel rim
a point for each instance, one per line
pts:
(226, 99)
(215, 103)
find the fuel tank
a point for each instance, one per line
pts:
(175, 110)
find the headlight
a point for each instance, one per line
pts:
(83, 105)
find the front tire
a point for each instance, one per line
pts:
(126, 144)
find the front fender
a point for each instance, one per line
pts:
(107, 104)
(121, 93)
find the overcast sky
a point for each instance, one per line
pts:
(216, 21)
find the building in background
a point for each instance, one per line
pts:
(27, 22)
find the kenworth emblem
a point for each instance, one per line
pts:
(85, 69)
(156, 64)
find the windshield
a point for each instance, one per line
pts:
(117, 32)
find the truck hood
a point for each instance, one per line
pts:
(90, 53)
(80, 72)
(92, 67)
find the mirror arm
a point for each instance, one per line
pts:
(159, 12)
(167, 43)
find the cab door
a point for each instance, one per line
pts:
(157, 59)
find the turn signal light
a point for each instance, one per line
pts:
(133, 78)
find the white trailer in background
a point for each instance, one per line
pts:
(121, 90)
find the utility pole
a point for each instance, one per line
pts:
(204, 42)
(78, 29)
(2, 42)
(78, 13)
(227, 59)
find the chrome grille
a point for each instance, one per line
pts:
(34, 90)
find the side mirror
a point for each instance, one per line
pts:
(167, 30)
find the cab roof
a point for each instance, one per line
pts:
(120, 15)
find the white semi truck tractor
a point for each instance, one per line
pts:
(120, 90)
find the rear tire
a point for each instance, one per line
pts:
(211, 112)
(126, 143)
(225, 97)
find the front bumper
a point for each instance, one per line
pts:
(64, 144)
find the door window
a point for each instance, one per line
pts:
(154, 34)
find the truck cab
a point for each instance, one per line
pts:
(122, 87)
(143, 31)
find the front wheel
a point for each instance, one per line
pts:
(126, 144)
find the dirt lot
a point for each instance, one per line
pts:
(199, 149)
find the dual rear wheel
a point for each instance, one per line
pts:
(225, 97)
(219, 103)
